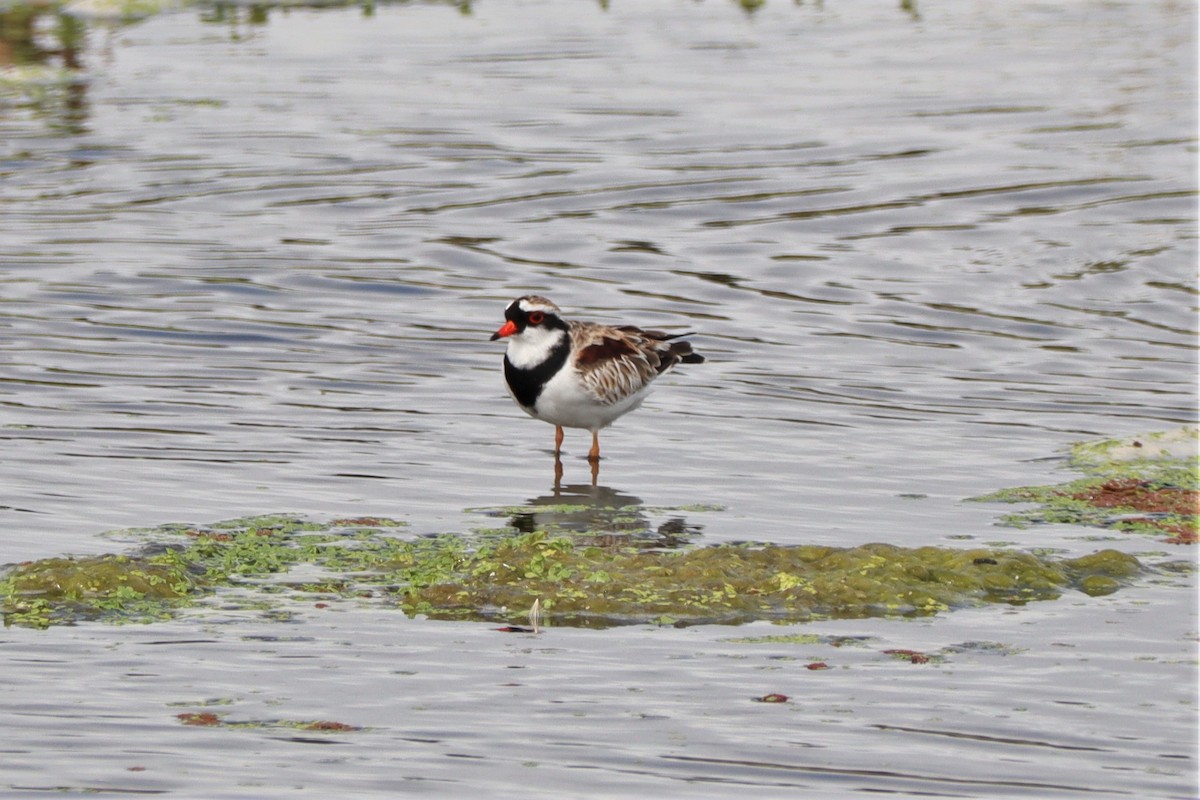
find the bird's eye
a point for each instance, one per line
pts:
(536, 317)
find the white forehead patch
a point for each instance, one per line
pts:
(535, 303)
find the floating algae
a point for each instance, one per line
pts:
(585, 585)
(575, 580)
(1145, 484)
(135, 587)
(177, 566)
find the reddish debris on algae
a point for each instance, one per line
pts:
(1140, 496)
(213, 535)
(1182, 535)
(325, 725)
(206, 718)
(913, 656)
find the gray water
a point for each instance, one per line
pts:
(250, 257)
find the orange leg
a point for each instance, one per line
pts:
(594, 453)
(558, 437)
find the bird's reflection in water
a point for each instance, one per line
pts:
(602, 516)
(558, 470)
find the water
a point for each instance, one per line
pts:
(251, 264)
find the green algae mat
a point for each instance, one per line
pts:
(594, 578)
(573, 582)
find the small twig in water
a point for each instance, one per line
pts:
(535, 615)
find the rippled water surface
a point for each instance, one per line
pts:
(250, 258)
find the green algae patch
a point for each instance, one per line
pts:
(729, 584)
(78, 579)
(1145, 484)
(277, 564)
(179, 565)
(133, 587)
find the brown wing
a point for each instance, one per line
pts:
(671, 350)
(618, 362)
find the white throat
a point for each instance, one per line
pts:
(533, 346)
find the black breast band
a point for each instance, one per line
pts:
(527, 383)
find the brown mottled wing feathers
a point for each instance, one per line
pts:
(617, 362)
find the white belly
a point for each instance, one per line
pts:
(564, 401)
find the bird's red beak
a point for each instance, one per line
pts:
(507, 329)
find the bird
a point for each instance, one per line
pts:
(576, 374)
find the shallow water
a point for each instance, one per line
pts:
(250, 263)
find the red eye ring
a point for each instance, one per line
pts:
(536, 317)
